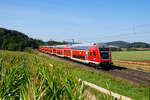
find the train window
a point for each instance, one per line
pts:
(68, 51)
(94, 53)
(90, 53)
(79, 56)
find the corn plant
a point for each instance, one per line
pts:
(25, 76)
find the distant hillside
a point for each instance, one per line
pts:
(137, 45)
(117, 43)
(16, 41)
(56, 43)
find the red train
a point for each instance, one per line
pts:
(91, 53)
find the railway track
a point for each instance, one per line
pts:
(131, 75)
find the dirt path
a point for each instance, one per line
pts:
(143, 65)
(141, 61)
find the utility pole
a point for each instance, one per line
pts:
(73, 41)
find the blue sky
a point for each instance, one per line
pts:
(82, 20)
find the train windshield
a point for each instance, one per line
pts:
(103, 49)
(104, 52)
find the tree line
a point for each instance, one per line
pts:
(17, 41)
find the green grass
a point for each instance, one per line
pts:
(137, 92)
(131, 55)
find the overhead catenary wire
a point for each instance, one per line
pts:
(123, 34)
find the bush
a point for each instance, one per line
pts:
(115, 49)
(30, 50)
(137, 49)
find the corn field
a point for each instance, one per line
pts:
(25, 76)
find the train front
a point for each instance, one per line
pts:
(105, 55)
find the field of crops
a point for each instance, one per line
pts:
(30, 77)
(131, 55)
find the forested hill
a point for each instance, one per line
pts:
(137, 45)
(117, 43)
(123, 44)
(16, 41)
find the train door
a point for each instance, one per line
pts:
(86, 55)
(71, 53)
(94, 55)
(90, 55)
(65, 52)
(68, 52)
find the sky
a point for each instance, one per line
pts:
(81, 20)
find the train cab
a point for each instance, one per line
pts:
(105, 54)
(92, 53)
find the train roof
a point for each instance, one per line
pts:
(83, 46)
(63, 46)
(46, 46)
(100, 45)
